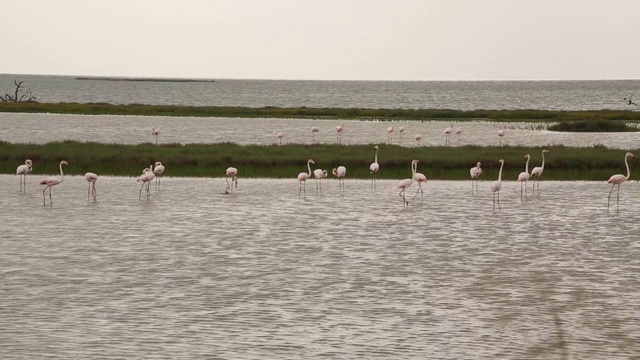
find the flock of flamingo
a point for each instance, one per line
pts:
(156, 170)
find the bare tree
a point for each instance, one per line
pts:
(19, 95)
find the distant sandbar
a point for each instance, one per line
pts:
(141, 79)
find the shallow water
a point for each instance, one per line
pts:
(43, 128)
(262, 273)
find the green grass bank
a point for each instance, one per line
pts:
(328, 113)
(272, 161)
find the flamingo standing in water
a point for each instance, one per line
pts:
(52, 181)
(475, 173)
(496, 186)
(419, 178)
(418, 139)
(158, 169)
(373, 168)
(91, 178)
(319, 174)
(232, 173)
(146, 178)
(340, 173)
(280, 136)
(303, 177)
(155, 132)
(458, 132)
(447, 134)
(401, 131)
(406, 183)
(618, 179)
(523, 177)
(23, 170)
(500, 135)
(537, 172)
(339, 131)
(314, 130)
(389, 134)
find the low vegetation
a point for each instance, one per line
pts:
(272, 161)
(593, 126)
(330, 113)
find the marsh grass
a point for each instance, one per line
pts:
(593, 126)
(331, 113)
(272, 161)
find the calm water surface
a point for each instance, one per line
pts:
(43, 128)
(261, 274)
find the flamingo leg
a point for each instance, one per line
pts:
(140, 194)
(89, 191)
(50, 199)
(419, 191)
(609, 197)
(93, 191)
(617, 197)
(498, 200)
(44, 200)
(525, 190)
(494, 201)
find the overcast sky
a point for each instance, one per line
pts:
(324, 39)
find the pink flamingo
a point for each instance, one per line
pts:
(373, 168)
(340, 173)
(23, 170)
(418, 139)
(146, 178)
(389, 134)
(458, 132)
(155, 132)
(500, 135)
(91, 178)
(303, 177)
(401, 131)
(447, 134)
(475, 173)
(280, 136)
(158, 169)
(52, 181)
(314, 130)
(419, 178)
(523, 177)
(406, 183)
(232, 173)
(339, 131)
(496, 186)
(319, 174)
(619, 179)
(537, 172)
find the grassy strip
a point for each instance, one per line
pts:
(331, 113)
(272, 161)
(592, 126)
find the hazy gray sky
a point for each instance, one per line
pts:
(327, 39)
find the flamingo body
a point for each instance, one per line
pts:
(23, 170)
(50, 181)
(231, 173)
(91, 179)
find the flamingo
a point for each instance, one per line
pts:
(401, 131)
(619, 179)
(340, 173)
(500, 135)
(447, 134)
(91, 178)
(319, 174)
(523, 177)
(496, 186)
(303, 177)
(280, 136)
(475, 173)
(146, 178)
(339, 131)
(419, 178)
(458, 132)
(404, 184)
(23, 170)
(158, 169)
(537, 172)
(155, 132)
(418, 139)
(314, 130)
(52, 181)
(232, 173)
(389, 134)
(373, 168)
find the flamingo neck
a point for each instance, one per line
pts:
(500, 172)
(376, 157)
(414, 168)
(309, 167)
(61, 173)
(526, 166)
(543, 161)
(626, 162)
